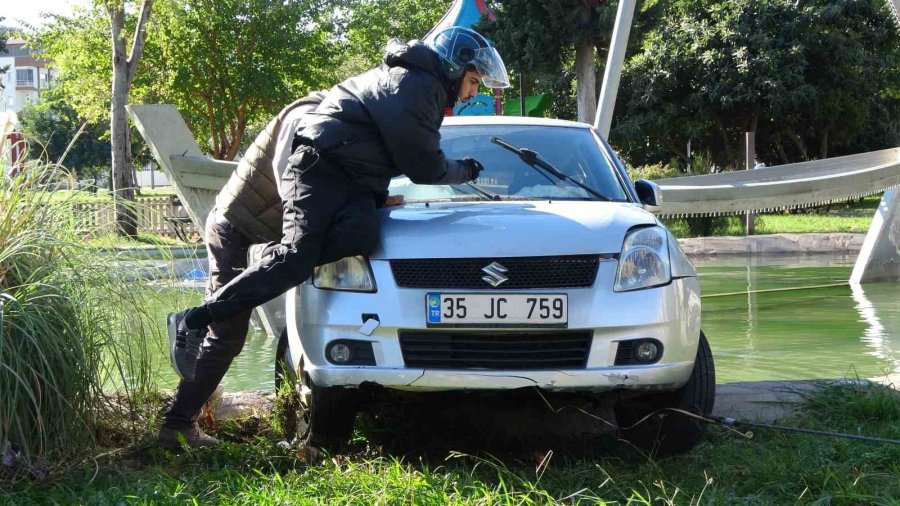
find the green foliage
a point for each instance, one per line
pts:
(653, 172)
(537, 40)
(540, 35)
(364, 26)
(53, 129)
(74, 334)
(80, 49)
(225, 65)
(808, 77)
(228, 64)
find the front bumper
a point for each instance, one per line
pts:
(669, 314)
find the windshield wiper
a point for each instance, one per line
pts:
(534, 160)
(481, 191)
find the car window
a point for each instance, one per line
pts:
(573, 151)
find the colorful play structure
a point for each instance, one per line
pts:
(469, 13)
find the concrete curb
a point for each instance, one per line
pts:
(773, 244)
(158, 252)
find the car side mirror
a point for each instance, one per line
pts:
(649, 194)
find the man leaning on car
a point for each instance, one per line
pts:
(367, 129)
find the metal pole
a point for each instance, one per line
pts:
(613, 71)
(749, 163)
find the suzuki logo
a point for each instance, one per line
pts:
(495, 274)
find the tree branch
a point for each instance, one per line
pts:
(140, 36)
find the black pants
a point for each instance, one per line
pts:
(326, 217)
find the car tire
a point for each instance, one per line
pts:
(321, 416)
(647, 423)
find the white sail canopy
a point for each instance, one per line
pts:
(781, 187)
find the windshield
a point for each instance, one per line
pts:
(574, 151)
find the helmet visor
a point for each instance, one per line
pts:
(488, 63)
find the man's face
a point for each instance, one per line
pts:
(468, 88)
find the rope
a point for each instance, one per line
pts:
(728, 423)
(731, 422)
(771, 290)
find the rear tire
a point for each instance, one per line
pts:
(666, 432)
(322, 416)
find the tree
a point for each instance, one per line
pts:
(123, 67)
(540, 36)
(362, 27)
(90, 51)
(227, 64)
(54, 129)
(852, 77)
(798, 74)
(183, 65)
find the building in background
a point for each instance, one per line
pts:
(25, 78)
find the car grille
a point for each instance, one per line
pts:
(577, 271)
(495, 350)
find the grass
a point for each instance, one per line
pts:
(768, 468)
(851, 217)
(74, 356)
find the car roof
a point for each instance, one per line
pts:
(511, 120)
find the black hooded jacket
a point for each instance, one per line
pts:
(385, 122)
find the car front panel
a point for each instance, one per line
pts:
(669, 314)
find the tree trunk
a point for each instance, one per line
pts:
(122, 180)
(726, 142)
(585, 73)
(801, 146)
(586, 79)
(122, 190)
(676, 150)
(781, 153)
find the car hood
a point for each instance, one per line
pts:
(506, 229)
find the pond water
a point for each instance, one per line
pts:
(824, 332)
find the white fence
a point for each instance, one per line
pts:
(164, 216)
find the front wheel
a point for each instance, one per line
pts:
(322, 416)
(647, 423)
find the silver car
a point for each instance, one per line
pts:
(547, 272)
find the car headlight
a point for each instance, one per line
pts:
(644, 262)
(350, 273)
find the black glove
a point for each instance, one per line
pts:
(475, 168)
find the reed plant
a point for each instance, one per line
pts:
(76, 333)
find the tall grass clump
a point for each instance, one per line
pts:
(76, 336)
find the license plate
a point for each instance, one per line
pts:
(508, 309)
